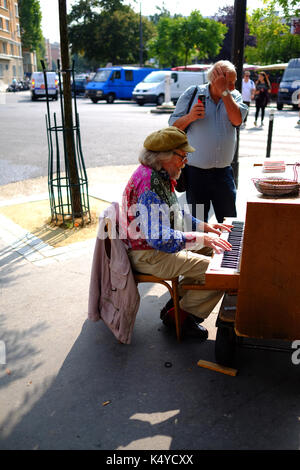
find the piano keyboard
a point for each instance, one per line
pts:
(230, 259)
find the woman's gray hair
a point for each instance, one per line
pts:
(225, 64)
(154, 159)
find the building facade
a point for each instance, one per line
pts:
(29, 62)
(52, 54)
(295, 25)
(11, 60)
(55, 54)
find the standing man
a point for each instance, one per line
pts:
(248, 90)
(211, 130)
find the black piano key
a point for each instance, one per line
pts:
(230, 265)
(231, 258)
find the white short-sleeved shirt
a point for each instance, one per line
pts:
(247, 89)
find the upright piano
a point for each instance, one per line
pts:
(263, 270)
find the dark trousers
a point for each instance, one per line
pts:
(248, 104)
(215, 186)
(262, 108)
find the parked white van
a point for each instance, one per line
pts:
(152, 88)
(38, 89)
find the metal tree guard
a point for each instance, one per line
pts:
(62, 188)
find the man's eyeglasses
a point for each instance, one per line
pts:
(183, 157)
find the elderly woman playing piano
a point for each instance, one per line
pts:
(164, 240)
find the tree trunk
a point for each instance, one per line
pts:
(237, 58)
(68, 114)
(238, 40)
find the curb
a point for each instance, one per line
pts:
(32, 248)
(163, 109)
(35, 250)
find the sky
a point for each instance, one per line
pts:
(49, 8)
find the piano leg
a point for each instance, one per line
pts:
(225, 345)
(226, 339)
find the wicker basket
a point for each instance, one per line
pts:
(276, 186)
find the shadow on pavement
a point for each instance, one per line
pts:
(112, 396)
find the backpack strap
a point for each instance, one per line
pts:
(190, 104)
(191, 100)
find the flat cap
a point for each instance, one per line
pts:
(167, 139)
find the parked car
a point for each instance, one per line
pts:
(289, 85)
(38, 88)
(152, 88)
(79, 84)
(111, 83)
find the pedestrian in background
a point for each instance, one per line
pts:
(248, 89)
(262, 94)
(211, 130)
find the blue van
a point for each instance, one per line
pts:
(290, 83)
(111, 83)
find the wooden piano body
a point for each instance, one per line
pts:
(268, 284)
(268, 300)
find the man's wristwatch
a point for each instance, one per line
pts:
(225, 93)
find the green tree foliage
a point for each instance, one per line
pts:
(164, 46)
(107, 33)
(275, 43)
(40, 54)
(161, 13)
(290, 7)
(83, 11)
(30, 24)
(179, 39)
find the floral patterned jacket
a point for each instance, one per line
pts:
(151, 215)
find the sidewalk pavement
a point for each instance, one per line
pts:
(66, 383)
(105, 184)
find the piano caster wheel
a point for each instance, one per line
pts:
(225, 346)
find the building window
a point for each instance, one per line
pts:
(5, 4)
(18, 30)
(17, 10)
(7, 25)
(12, 49)
(5, 47)
(14, 71)
(1, 70)
(1, 23)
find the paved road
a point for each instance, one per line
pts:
(111, 134)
